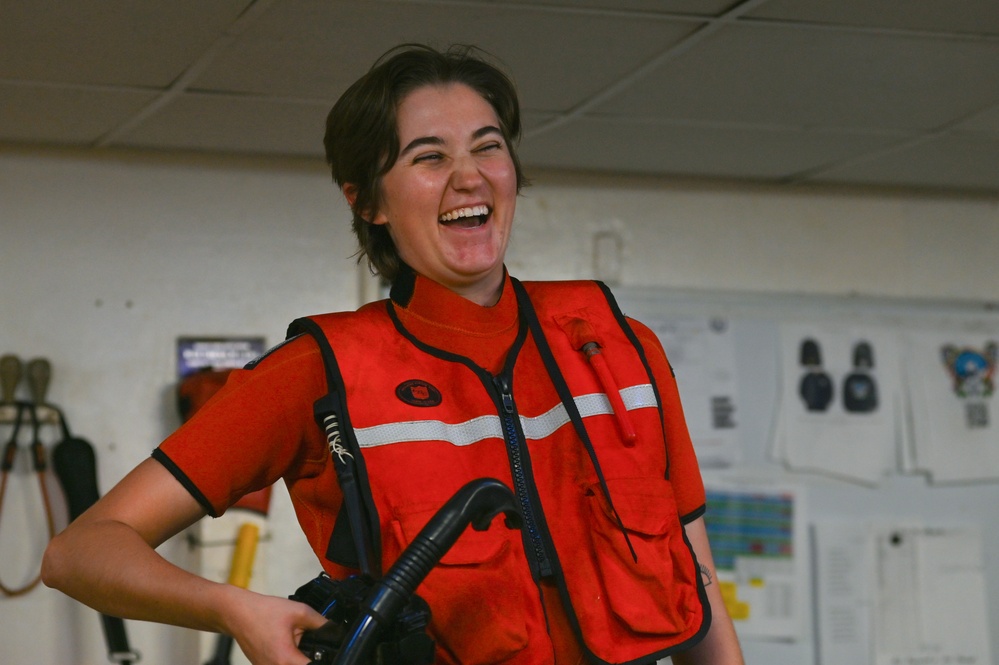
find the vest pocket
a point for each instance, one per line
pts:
(656, 594)
(476, 601)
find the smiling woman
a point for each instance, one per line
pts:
(363, 130)
(463, 373)
(448, 201)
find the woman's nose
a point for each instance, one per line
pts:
(466, 174)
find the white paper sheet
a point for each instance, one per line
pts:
(837, 417)
(955, 412)
(701, 351)
(901, 595)
(844, 578)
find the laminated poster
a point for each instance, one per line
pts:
(759, 547)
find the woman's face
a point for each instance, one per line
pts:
(449, 199)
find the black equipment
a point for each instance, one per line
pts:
(816, 387)
(860, 392)
(76, 467)
(383, 622)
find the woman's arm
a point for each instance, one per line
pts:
(720, 646)
(106, 559)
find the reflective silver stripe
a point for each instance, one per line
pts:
(639, 397)
(486, 427)
(594, 404)
(459, 434)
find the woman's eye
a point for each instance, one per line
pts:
(489, 146)
(429, 157)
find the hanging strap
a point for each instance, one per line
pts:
(355, 539)
(75, 466)
(40, 465)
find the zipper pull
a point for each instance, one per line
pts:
(505, 394)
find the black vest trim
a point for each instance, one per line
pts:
(403, 286)
(454, 357)
(356, 538)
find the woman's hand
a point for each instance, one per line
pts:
(268, 628)
(106, 559)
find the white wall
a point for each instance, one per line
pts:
(106, 260)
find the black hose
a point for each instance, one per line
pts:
(477, 503)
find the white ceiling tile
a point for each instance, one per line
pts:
(315, 49)
(731, 152)
(959, 160)
(531, 120)
(986, 121)
(114, 42)
(805, 78)
(970, 16)
(217, 123)
(694, 7)
(64, 115)
(678, 87)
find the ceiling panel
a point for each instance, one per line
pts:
(883, 92)
(960, 161)
(551, 54)
(218, 123)
(699, 150)
(64, 115)
(803, 78)
(968, 16)
(987, 121)
(693, 7)
(110, 42)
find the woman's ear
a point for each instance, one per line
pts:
(350, 193)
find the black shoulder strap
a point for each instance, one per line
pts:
(355, 542)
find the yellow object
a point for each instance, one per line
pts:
(737, 609)
(242, 556)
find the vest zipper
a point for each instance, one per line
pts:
(515, 451)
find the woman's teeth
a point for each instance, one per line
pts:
(465, 213)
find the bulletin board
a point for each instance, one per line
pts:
(850, 450)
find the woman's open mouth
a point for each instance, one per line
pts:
(466, 218)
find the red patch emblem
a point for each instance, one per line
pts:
(416, 392)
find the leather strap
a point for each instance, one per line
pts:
(40, 465)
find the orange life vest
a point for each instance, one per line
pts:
(573, 424)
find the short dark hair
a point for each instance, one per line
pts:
(362, 139)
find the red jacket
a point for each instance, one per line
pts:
(591, 473)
